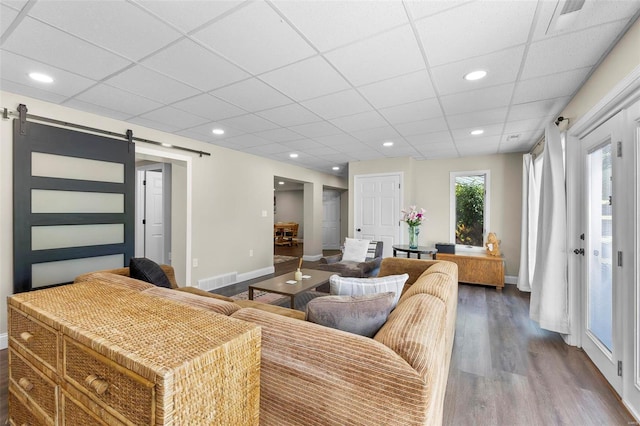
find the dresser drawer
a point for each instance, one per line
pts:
(38, 389)
(20, 415)
(73, 414)
(122, 392)
(36, 338)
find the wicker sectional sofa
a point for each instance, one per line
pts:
(315, 375)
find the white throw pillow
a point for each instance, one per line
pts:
(355, 250)
(350, 286)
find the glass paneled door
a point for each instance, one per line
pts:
(601, 313)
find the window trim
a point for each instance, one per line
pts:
(452, 207)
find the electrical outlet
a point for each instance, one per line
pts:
(195, 263)
(250, 252)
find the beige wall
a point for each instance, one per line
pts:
(427, 185)
(620, 62)
(230, 191)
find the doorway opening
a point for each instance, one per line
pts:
(288, 219)
(153, 211)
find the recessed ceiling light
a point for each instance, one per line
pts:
(476, 132)
(217, 132)
(281, 183)
(39, 77)
(388, 143)
(335, 168)
(293, 155)
(475, 75)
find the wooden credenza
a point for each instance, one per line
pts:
(97, 354)
(477, 268)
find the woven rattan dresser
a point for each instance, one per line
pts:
(96, 354)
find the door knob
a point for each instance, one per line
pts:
(359, 230)
(579, 251)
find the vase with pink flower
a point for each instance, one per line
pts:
(414, 218)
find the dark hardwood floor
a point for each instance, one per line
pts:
(505, 370)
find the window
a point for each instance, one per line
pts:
(469, 208)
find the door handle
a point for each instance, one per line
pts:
(579, 251)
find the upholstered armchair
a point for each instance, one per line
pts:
(349, 268)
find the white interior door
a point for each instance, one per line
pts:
(154, 217)
(330, 220)
(602, 313)
(377, 209)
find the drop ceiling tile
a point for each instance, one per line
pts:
(362, 121)
(413, 111)
(274, 148)
(519, 126)
(502, 67)
(378, 134)
(278, 135)
(591, 14)
(34, 92)
(537, 109)
(289, 115)
(188, 15)
(421, 9)
(426, 139)
(477, 151)
(314, 130)
(252, 95)
(477, 100)
(17, 68)
(571, 51)
(164, 127)
(194, 65)
(521, 138)
(551, 86)
(256, 38)
(61, 50)
(246, 141)
(422, 126)
(336, 140)
(210, 107)
(353, 148)
(118, 100)
(204, 130)
(15, 4)
(378, 58)
(307, 79)
(399, 90)
(176, 117)
(347, 102)
(302, 144)
(151, 84)
(117, 26)
(7, 15)
(488, 142)
(489, 130)
(344, 22)
(478, 118)
(475, 29)
(249, 123)
(366, 154)
(95, 109)
(319, 152)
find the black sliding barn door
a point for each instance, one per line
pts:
(73, 205)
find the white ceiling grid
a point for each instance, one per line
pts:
(329, 80)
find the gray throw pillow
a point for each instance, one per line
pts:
(350, 286)
(144, 269)
(363, 315)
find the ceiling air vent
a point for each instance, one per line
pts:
(564, 15)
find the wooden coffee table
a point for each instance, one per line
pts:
(279, 284)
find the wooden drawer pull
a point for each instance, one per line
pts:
(26, 336)
(99, 386)
(25, 384)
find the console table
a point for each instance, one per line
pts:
(97, 354)
(420, 250)
(477, 268)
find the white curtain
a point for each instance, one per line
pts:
(529, 229)
(549, 288)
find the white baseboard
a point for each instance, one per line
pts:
(4, 341)
(510, 279)
(255, 274)
(312, 257)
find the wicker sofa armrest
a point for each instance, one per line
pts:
(364, 379)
